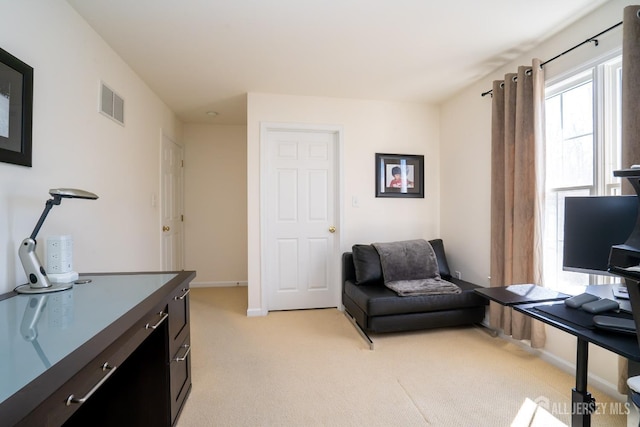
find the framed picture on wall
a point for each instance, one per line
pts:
(399, 175)
(16, 110)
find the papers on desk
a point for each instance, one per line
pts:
(533, 292)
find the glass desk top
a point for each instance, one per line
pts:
(37, 331)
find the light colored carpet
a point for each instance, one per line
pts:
(311, 368)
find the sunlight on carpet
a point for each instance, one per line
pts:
(533, 415)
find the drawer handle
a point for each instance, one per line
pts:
(164, 316)
(106, 367)
(186, 353)
(183, 296)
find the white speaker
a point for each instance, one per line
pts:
(59, 259)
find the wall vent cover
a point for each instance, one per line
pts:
(111, 104)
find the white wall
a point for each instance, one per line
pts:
(216, 203)
(466, 165)
(369, 127)
(75, 146)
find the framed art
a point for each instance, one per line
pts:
(16, 110)
(399, 175)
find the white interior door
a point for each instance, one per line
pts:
(171, 206)
(301, 245)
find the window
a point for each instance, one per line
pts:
(583, 116)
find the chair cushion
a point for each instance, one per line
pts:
(367, 264)
(407, 260)
(378, 300)
(443, 266)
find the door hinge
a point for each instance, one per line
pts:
(182, 163)
(181, 218)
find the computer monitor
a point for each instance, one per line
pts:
(592, 225)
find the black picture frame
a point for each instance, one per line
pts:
(408, 182)
(16, 110)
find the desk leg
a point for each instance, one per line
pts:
(582, 404)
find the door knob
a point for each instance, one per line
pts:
(166, 228)
(332, 229)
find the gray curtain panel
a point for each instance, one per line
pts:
(517, 193)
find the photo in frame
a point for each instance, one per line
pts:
(16, 110)
(399, 175)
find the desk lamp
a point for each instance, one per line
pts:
(38, 280)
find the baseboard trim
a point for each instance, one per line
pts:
(568, 367)
(256, 312)
(595, 380)
(218, 284)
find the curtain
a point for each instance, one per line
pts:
(630, 154)
(517, 193)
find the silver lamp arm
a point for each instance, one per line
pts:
(36, 275)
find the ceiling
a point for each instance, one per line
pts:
(205, 55)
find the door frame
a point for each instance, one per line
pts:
(338, 130)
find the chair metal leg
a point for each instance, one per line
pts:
(492, 332)
(362, 333)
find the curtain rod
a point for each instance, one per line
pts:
(589, 40)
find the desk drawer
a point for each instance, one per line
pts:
(96, 375)
(178, 309)
(180, 377)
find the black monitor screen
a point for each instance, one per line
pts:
(591, 226)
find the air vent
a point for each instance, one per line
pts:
(111, 104)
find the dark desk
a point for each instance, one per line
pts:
(623, 344)
(111, 352)
(525, 298)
